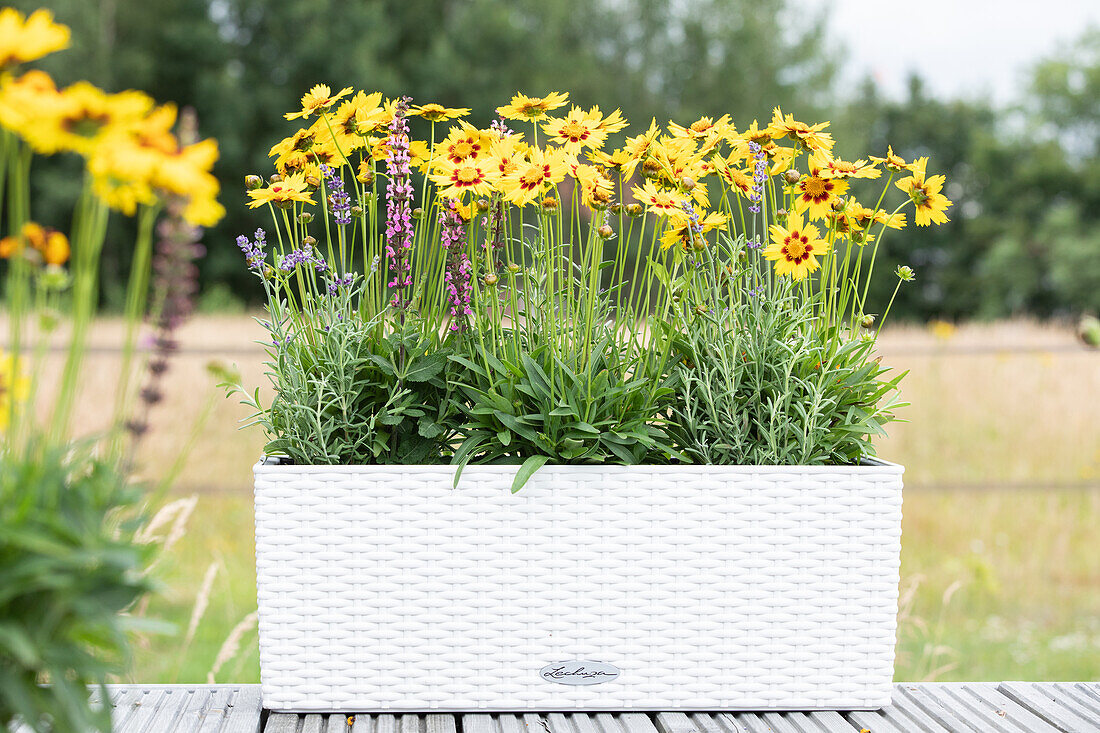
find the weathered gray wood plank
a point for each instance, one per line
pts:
(282, 723)
(1043, 701)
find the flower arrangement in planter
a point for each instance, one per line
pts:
(664, 345)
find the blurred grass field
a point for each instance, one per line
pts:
(1000, 554)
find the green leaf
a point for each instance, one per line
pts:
(527, 470)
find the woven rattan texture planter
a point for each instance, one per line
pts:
(383, 588)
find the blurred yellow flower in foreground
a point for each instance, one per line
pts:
(437, 113)
(51, 244)
(26, 39)
(13, 388)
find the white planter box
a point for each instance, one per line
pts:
(382, 588)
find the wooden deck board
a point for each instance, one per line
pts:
(963, 707)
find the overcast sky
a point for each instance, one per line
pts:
(960, 47)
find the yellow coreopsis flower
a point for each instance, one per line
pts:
(637, 147)
(452, 179)
(702, 128)
(316, 99)
(523, 107)
(680, 232)
(864, 217)
(596, 189)
(541, 169)
(660, 201)
(506, 155)
(121, 173)
(291, 189)
(51, 244)
(815, 193)
(25, 39)
(736, 178)
(347, 128)
(925, 194)
(463, 141)
(437, 112)
(580, 129)
(82, 115)
(810, 137)
(830, 167)
(892, 161)
(26, 99)
(795, 248)
(14, 387)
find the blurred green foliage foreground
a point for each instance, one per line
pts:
(1025, 178)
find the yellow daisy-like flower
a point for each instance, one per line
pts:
(660, 201)
(596, 189)
(892, 161)
(454, 179)
(830, 167)
(26, 100)
(815, 193)
(864, 217)
(795, 248)
(290, 190)
(542, 168)
(580, 129)
(637, 147)
(810, 137)
(737, 179)
(523, 107)
(51, 244)
(702, 128)
(506, 155)
(437, 112)
(26, 39)
(14, 387)
(316, 99)
(463, 141)
(121, 172)
(679, 229)
(346, 129)
(82, 115)
(925, 194)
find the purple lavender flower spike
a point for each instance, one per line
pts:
(399, 196)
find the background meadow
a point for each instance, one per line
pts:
(1000, 564)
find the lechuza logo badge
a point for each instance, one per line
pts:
(579, 673)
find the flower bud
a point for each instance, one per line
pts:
(274, 178)
(482, 205)
(308, 241)
(615, 208)
(867, 321)
(549, 204)
(513, 268)
(491, 279)
(792, 176)
(313, 182)
(305, 217)
(701, 309)
(650, 168)
(905, 273)
(687, 183)
(253, 182)
(418, 213)
(634, 209)
(356, 211)
(605, 232)
(839, 203)
(698, 243)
